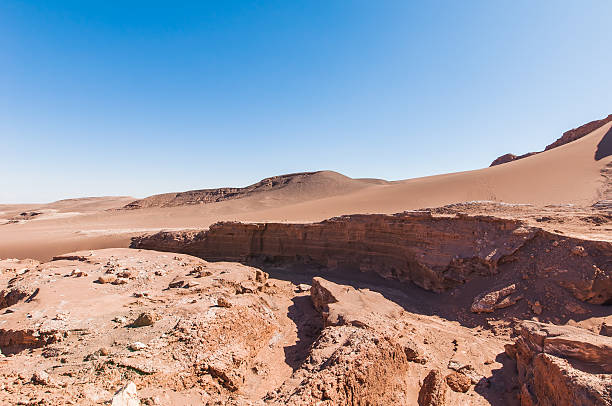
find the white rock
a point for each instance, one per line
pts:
(137, 346)
(41, 378)
(127, 396)
(303, 287)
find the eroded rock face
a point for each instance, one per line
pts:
(433, 251)
(349, 366)
(357, 359)
(562, 365)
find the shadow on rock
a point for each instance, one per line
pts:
(308, 323)
(501, 389)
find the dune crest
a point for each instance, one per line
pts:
(567, 137)
(306, 185)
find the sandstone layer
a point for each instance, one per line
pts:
(435, 252)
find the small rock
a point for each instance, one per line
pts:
(126, 396)
(126, 274)
(107, 278)
(223, 302)
(606, 329)
(120, 281)
(77, 273)
(455, 366)
(433, 390)
(61, 316)
(137, 346)
(40, 377)
(413, 354)
(458, 382)
(536, 308)
(179, 283)
(92, 357)
(120, 319)
(104, 351)
(579, 250)
(145, 319)
(261, 276)
(302, 287)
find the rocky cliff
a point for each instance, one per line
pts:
(435, 252)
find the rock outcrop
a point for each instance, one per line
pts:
(358, 359)
(562, 365)
(568, 136)
(579, 132)
(510, 157)
(435, 252)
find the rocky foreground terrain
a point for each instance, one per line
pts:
(475, 304)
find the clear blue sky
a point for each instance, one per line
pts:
(135, 98)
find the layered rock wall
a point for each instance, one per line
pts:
(434, 252)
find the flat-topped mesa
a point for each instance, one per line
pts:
(434, 252)
(567, 137)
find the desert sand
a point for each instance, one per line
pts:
(569, 174)
(486, 287)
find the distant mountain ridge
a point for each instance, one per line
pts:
(309, 184)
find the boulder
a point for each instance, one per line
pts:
(458, 382)
(107, 278)
(40, 377)
(497, 299)
(145, 319)
(433, 390)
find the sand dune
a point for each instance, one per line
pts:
(288, 188)
(568, 174)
